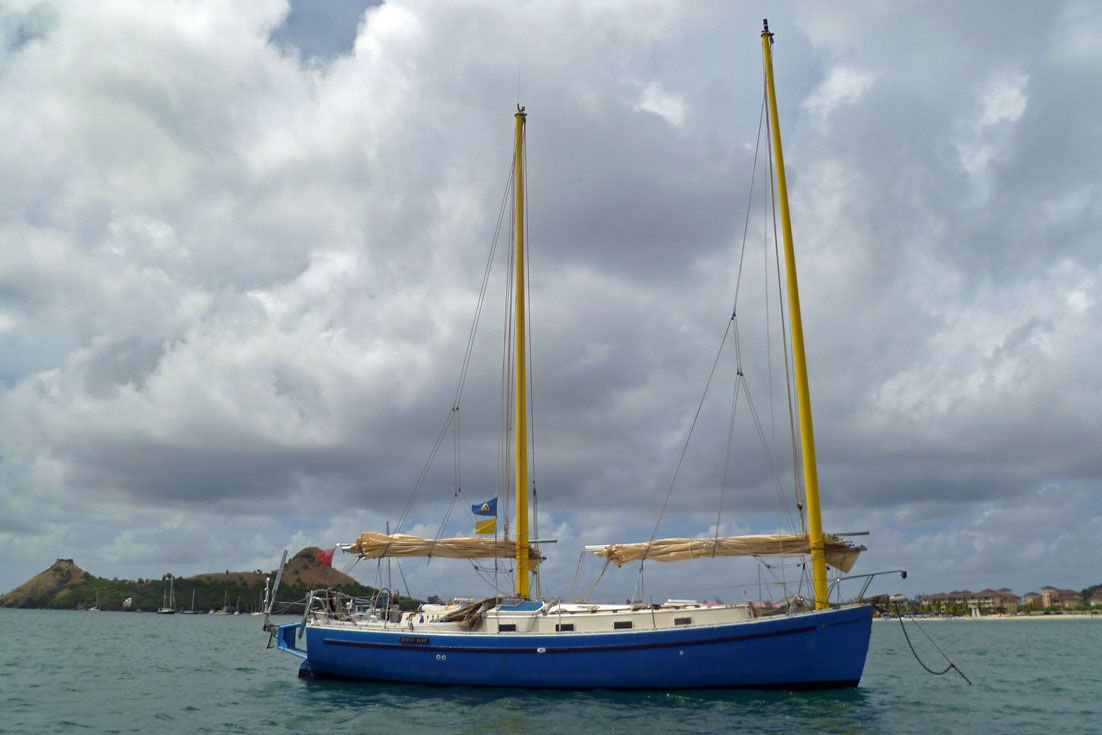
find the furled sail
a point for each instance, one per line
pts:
(840, 554)
(378, 545)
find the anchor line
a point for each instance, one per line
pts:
(951, 667)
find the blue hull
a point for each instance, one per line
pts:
(824, 649)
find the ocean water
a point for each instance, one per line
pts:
(109, 672)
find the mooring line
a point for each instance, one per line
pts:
(951, 667)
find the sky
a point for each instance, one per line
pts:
(241, 247)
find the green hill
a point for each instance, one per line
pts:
(65, 586)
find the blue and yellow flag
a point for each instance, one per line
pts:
(487, 526)
(489, 508)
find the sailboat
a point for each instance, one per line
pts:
(191, 610)
(168, 601)
(225, 605)
(522, 641)
(260, 603)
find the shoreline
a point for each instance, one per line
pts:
(953, 618)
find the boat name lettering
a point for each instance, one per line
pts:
(418, 639)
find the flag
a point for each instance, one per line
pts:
(487, 526)
(325, 557)
(489, 508)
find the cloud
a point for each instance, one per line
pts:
(656, 100)
(843, 86)
(240, 256)
(986, 137)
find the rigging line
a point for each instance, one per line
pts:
(491, 581)
(424, 472)
(403, 576)
(782, 580)
(531, 377)
(596, 581)
(480, 305)
(508, 374)
(749, 206)
(734, 310)
(768, 312)
(443, 524)
(688, 438)
(727, 456)
(464, 368)
(531, 354)
(483, 288)
(951, 667)
(771, 460)
(458, 455)
(577, 573)
(455, 471)
(797, 464)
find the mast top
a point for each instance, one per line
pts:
(765, 32)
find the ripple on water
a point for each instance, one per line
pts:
(214, 675)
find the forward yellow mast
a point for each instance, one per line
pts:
(803, 394)
(520, 427)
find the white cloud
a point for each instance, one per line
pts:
(235, 284)
(666, 105)
(986, 137)
(843, 86)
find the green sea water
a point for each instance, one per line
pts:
(109, 672)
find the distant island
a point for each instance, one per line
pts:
(65, 586)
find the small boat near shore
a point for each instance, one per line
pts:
(168, 603)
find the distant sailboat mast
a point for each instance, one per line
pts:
(803, 393)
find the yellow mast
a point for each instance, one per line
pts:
(803, 394)
(521, 368)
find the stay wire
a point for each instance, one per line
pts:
(453, 411)
(531, 361)
(692, 427)
(740, 380)
(797, 465)
(732, 327)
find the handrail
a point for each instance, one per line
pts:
(868, 580)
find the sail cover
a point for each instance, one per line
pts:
(378, 545)
(840, 554)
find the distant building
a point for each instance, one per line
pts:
(941, 601)
(1011, 603)
(1095, 600)
(986, 602)
(1033, 600)
(1056, 597)
(995, 601)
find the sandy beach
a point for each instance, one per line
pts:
(966, 618)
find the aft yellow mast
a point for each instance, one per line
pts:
(803, 394)
(520, 428)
